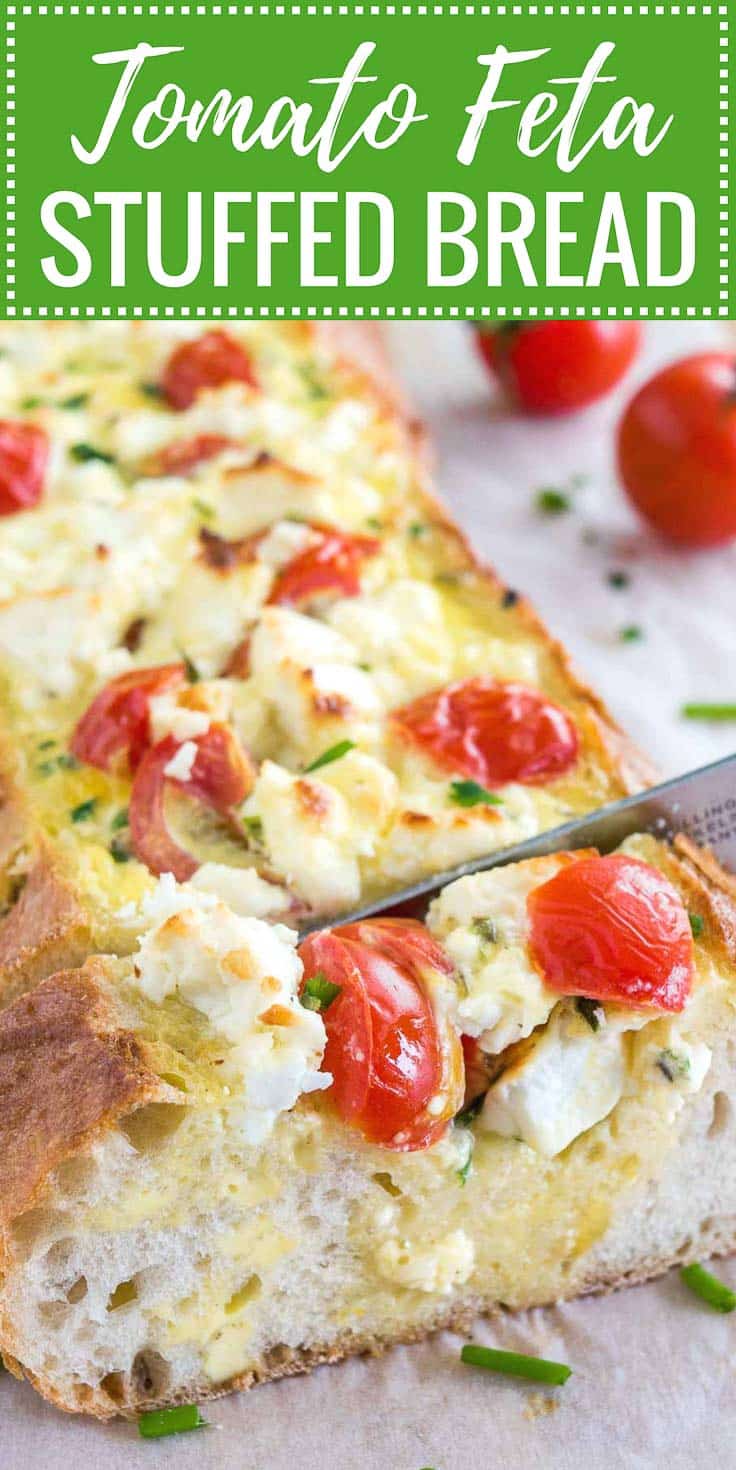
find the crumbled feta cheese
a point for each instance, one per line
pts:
(242, 889)
(309, 836)
(243, 975)
(431, 1268)
(284, 541)
(181, 765)
(561, 1081)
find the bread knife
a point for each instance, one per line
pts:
(700, 804)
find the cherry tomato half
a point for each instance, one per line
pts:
(331, 566)
(117, 720)
(613, 928)
(206, 362)
(221, 777)
(557, 367)
(397, 1071)
(677, 450)
(24, 453)
(491, 731)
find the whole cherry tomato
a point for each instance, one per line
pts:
(491, 731)
(613, 928)
(557, 367)
(677, 450)
(397, 1068)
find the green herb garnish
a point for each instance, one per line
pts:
(190, 668)
(518, 1364)
(32, 402)
(470, 793)
(672, 1065)
(709, 711)
(486, 930)
(61, 762)
(151, 390)
(83, 453)
(696, 924)
(207, 512)
(468, 1115)
(465, 1169)
(254, 825)
(632, 633)
(335, 753)
(709, 1288)
(319, 992)
(416, 529)
(590, 1010)
(374, 523)
(160, 1422)
(118, 852)
(119, 820)
(46, 744)
(84, 811)
(552, 502)
(77, 400)
(618, 579)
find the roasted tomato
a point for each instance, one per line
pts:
(397, 1069)
(490, 731)
(557, 367)
(677, 450)
(117, 721)
(331, 566)
(221, 777)
(185, 454)
(613, 928)
(206, 362)
(24, 453)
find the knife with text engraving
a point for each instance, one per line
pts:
(700, 804)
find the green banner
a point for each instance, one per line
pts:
(367, 160)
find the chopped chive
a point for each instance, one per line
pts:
(374, 523)
(709, 1288)
(152, 390)
(590, 1010)
(465, 1169)
(46, 744)
(416, 529)
(83, 453)
(709, 711)
(696, 924)
(118, 853)
(468, 1115)
(191, 670)
(319, 992)
(518, 1364)
(32, 402)
(254, 825)
(673, 1065)
(470, 793)
(335, 753)
(84, 811)
(160, 1422)
(552, 502)
(618, 579)
(207, 512)
(119, 820)
(77, 400)
(632, 633)
(486, 930)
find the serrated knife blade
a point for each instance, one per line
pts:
(701, 804)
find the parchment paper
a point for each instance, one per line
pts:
(654, 1381)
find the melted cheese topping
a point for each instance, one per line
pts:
(112, 571)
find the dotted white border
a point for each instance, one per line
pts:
(358, 311)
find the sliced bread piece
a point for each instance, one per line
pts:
(185, 1212)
